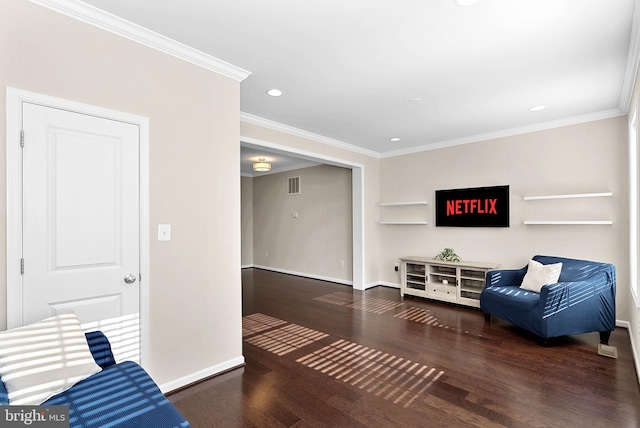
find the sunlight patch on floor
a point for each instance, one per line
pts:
(255, 323)
(338, 298)
(419, 315)
(393, 378)
(371, 304)
(422, 316)
(377, 306)
(280, 341)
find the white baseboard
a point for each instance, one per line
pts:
(389, 284)
(305, 275)
(383, 284)
(322, 278)
(634, 349)
(636, 357)
(368, 286)
(201, 374)
(623, 324)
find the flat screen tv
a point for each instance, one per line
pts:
(474, 207)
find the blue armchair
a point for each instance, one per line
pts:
(582, 301)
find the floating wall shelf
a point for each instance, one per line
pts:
(578, 222)
(396, 204)
(569, 222)
(405, 204)
(572, 196)
(403, 222)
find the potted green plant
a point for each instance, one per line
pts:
(448, 255)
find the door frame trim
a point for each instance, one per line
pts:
(15, 99)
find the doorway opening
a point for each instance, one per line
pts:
(357, 192)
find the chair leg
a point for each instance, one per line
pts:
(487, 317)
(604, 337)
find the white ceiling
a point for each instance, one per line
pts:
(349, 68)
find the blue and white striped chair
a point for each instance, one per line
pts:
(582, 301)
(120, 396)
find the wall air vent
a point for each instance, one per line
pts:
(294, 185)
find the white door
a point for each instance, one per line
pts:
(81, 219)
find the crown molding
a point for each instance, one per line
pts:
(106, 21)
(633, 62)
(575, 120)
(276, 126)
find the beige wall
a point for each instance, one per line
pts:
(247, 220)
(316, 243)
(195, 292)
(590, 157)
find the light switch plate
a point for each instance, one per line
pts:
(164, 232)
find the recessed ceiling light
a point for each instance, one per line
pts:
(538, 108)
(415, 100)
(394, 139)
(465, 3)
(274, 92)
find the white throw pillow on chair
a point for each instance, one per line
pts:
(539, 275)
(40, 360)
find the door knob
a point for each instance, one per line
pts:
(130, 279)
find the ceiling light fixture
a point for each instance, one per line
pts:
(465, 3)
(261, 165)
(538, 108)
(274, 92)
(394, 139)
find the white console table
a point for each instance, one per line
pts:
(460, 282)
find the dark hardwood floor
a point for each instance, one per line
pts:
(320, 354)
